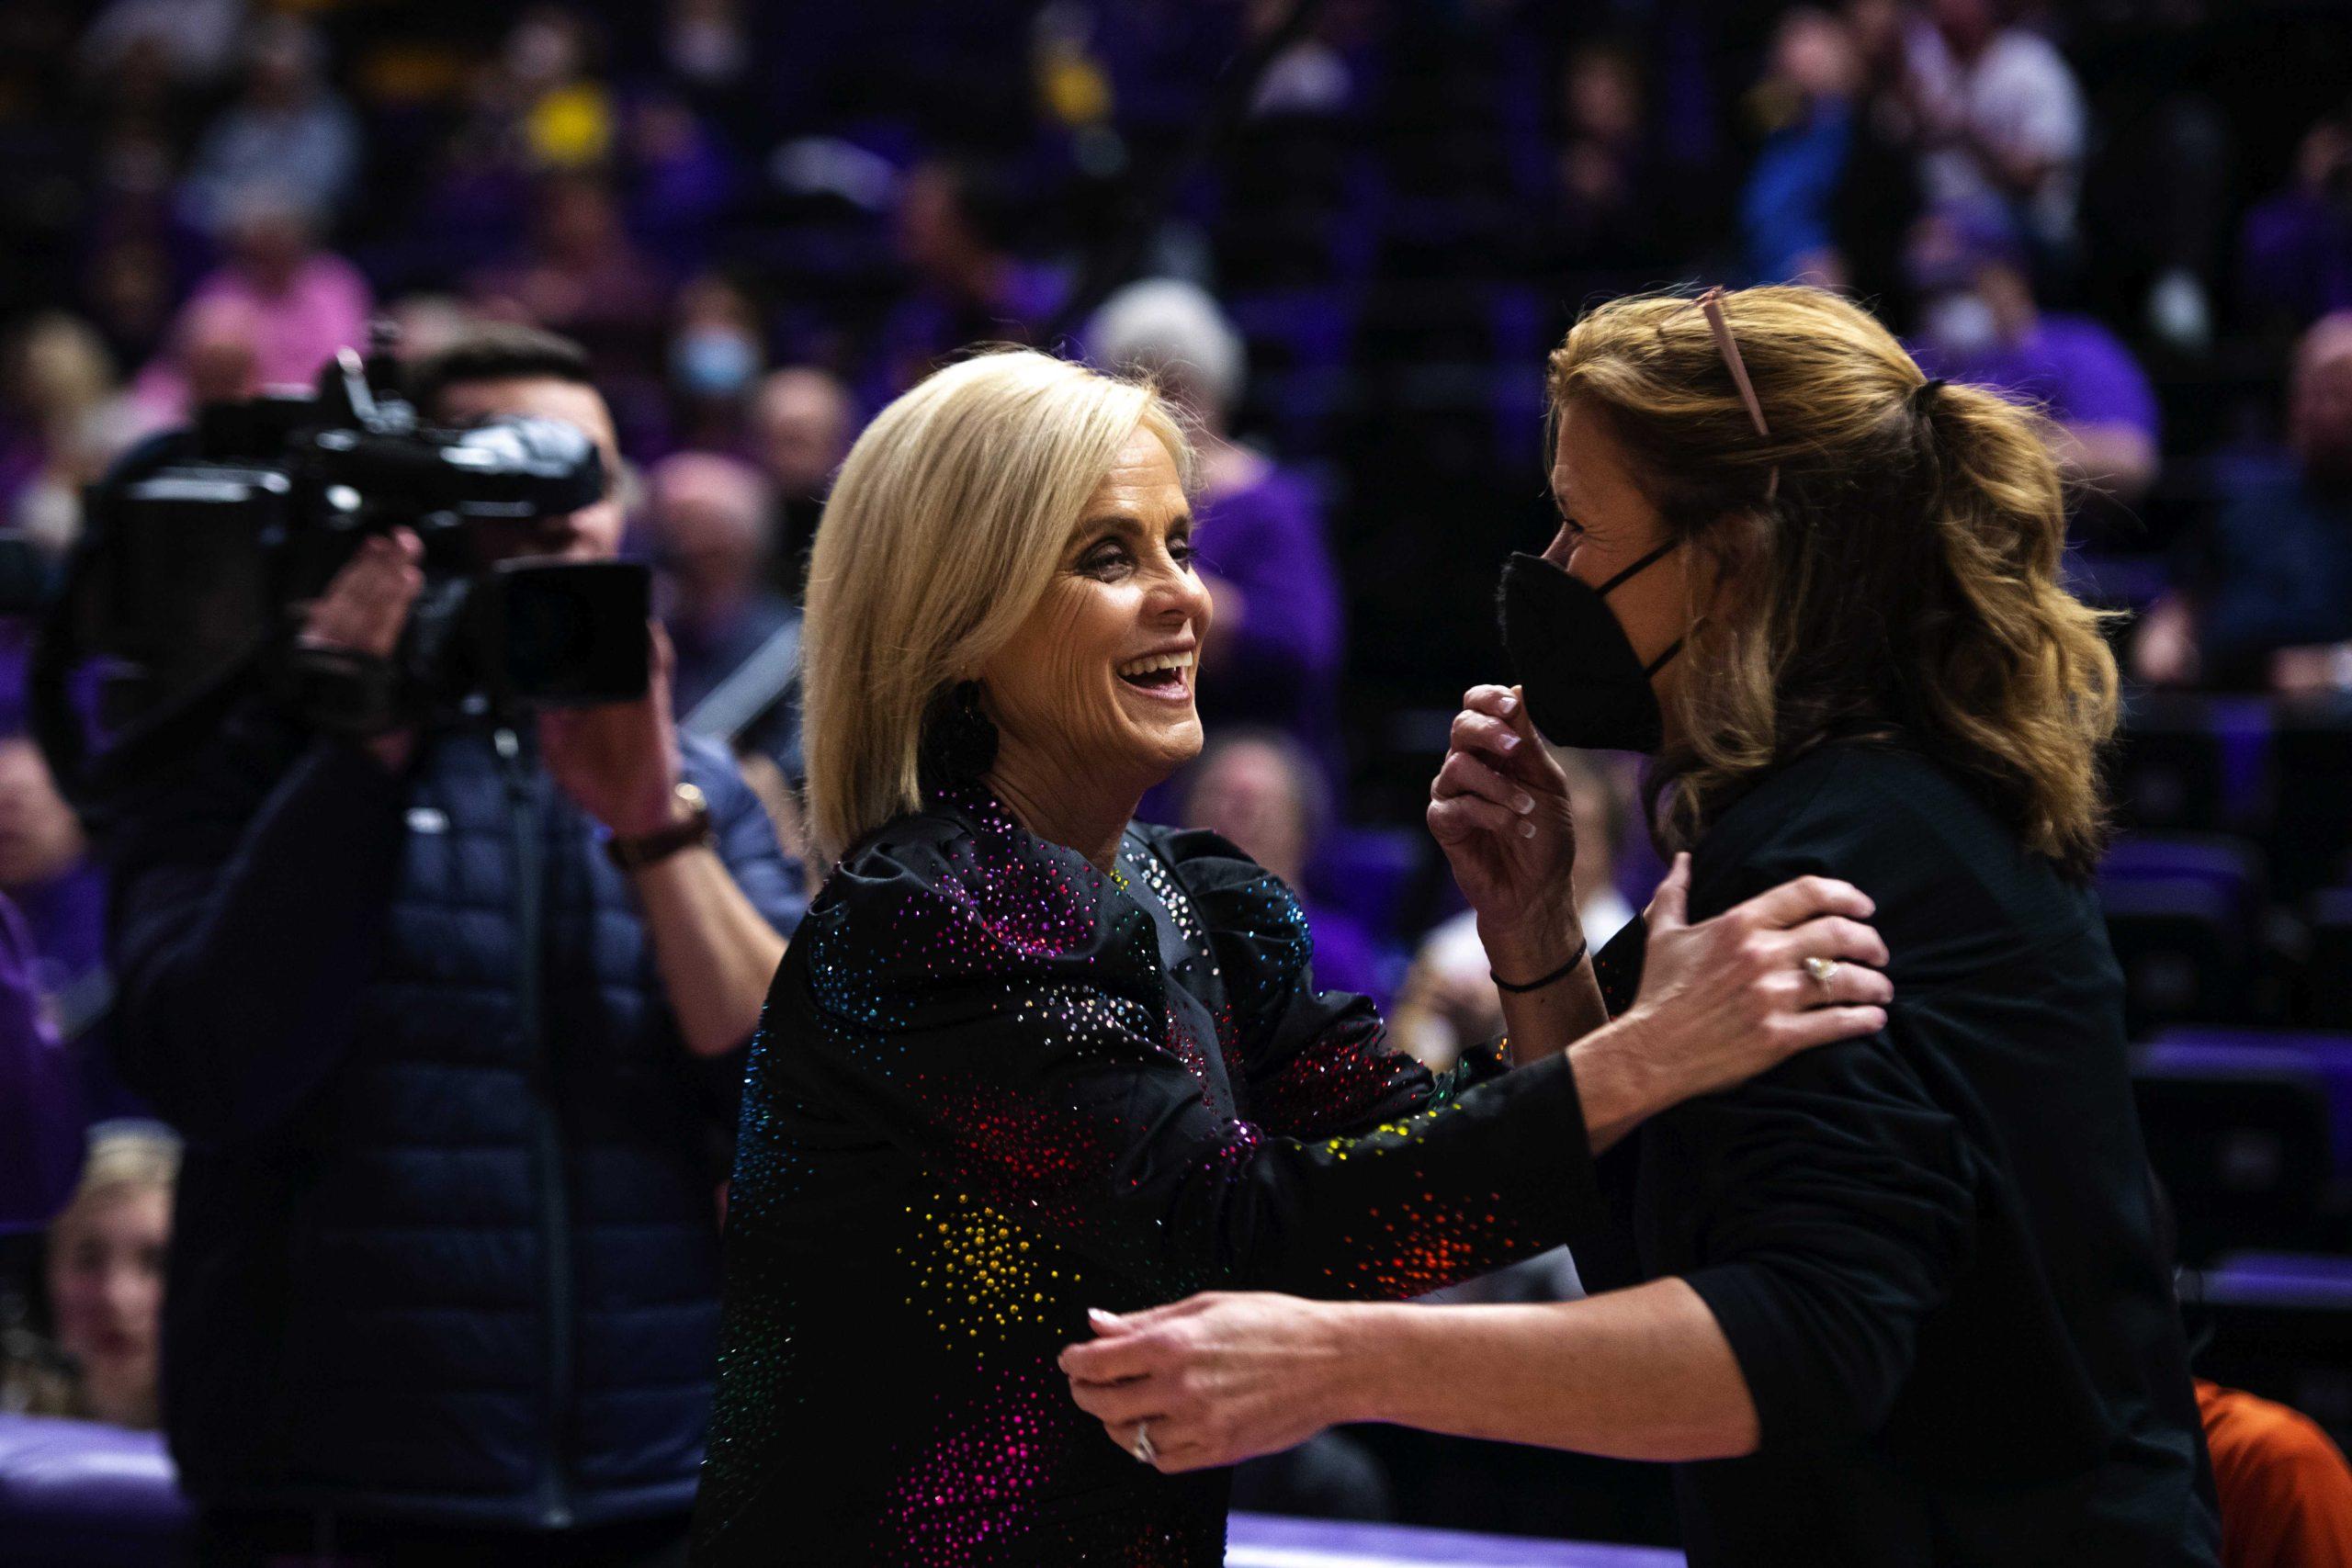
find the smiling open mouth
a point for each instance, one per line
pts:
(1161, 673)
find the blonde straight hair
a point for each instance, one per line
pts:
(940, 535)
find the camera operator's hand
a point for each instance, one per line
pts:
(363, 610)
(620, 761)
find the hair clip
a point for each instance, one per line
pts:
(1710, 305)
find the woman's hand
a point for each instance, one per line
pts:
(1215, 1379)
(618, 761)
(1498, 808)
(1730, 997)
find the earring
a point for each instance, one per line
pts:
(959, 739)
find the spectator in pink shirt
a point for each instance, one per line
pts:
(279, 298)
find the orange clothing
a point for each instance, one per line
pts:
(2286, 1491)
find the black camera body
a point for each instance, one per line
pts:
(199, 547)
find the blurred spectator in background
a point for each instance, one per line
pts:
(802, 423)
(40, 1100)
(2269, 600)
(1606, 210)
(1308, 78)
(104, 1286)
(966, 285)
(2001, 118)
(1834, 188)
(1259, 789)
(715, 356)
(708, 518)
(2295, 252)
(1273, 647)
(1787, 211)
(287, 132)
(303, 302)
(196, 39)
(1979, 323)
(582, 277)
(679, 178)
(2285, 1490)
(130, 293)
(62, 423)
(47, 873)
(539, 99)
(427, 323)
(1448, 1002)
(213, 355)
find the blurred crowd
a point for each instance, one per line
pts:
(761, 222)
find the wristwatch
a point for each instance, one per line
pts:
(646, 849)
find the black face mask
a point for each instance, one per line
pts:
(1583, 683)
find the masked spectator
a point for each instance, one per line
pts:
(707, 516)
(1979, 321)
(714, 354)
(1273, 647)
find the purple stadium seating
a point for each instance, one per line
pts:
(76, 1492)
(1261, 1541)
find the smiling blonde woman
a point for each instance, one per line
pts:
(1025, 1058)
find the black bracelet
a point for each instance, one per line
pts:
(1562, 973)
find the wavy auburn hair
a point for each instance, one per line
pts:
(1902, 579)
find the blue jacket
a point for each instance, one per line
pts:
(446, 1243)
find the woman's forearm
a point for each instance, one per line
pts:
(1642, 1375)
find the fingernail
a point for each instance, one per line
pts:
(1509, 705)
(1509, 742)
(1096, 1314)
(1522, 803)
(1527, 830)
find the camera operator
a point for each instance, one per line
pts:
(449, 1017)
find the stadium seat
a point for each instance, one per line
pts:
(78, 1493)
(2328, 985)
(2191, 764)
(2311, 826)
(2184, 912)
(2248, 1129)
(2279, 1324)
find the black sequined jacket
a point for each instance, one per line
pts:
(996, 1086)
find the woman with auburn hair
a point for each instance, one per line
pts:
(1024, 1059)
(1900, 1300)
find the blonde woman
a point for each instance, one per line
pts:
(104, 1276)
(1024, 1059)
(1901, 1299)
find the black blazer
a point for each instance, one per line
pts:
(996, 1086)
(1933, 1250)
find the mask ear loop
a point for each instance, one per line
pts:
(1711, 306)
